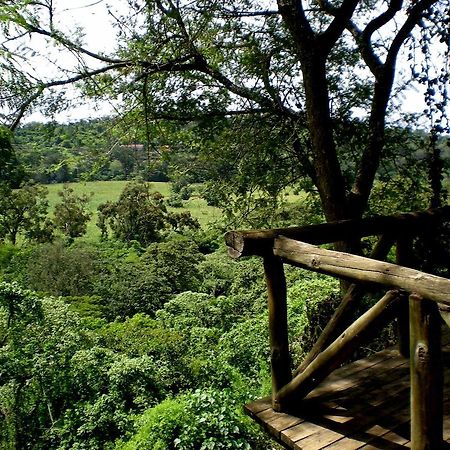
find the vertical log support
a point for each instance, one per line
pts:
(404, 257)
(426, 375)
(278, 328)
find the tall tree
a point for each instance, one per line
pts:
(71, 214)
(11, 171)
(309, 68)
(24, 211)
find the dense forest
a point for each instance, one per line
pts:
(85, 150)
(148, 337)
(145, 335)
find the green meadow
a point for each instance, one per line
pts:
(103, 191)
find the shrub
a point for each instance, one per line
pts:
(201, 420)
(71, 214)
(59, 270)
(176, 261)
(175, 201)
(130, 287)
(7, 252)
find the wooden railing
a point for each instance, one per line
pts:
(419, 323)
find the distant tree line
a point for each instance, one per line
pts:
(86, 150)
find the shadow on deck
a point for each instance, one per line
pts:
(363, 405)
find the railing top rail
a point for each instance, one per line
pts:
(362, 269)
(260, 242)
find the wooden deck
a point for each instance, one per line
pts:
(363, 405)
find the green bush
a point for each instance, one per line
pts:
(399, 194)
(312, 299)
(7, 252)
(176, 261)
(202, 420)
(87, 306)
(157, 427)
(129, 288)
(246, 346)
(56, 269)
(175, 201)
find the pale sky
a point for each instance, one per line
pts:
(92, 16)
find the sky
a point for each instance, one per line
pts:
(99, 37)
(93, 17)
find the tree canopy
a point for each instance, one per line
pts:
(313, 73)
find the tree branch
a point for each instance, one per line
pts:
(293, 14)
(415, 15)
(208, 115)
(342, 16)
(385, 75)
(268, 85)
(72, 46)
(238, 14)
(365, 48)
(44, 86)
(244, 92)
(394, 7)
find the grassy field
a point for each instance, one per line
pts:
(102, 191)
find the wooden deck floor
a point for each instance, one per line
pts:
(364, 405)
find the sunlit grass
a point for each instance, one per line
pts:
(103, 191)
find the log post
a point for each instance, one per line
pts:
(426, 375)
(278, 328)
(404, 257)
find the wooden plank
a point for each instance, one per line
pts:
(365, 421)
(258, 406)
(311, 430)
(336, 352)
(319, 439)
(339, 424)
(364, 436)
(278, 327)
(353, 368)
(293, 434)
(369, 408)
(363, 269)
(267, 415)
(342, 378)
(366, 424)
(281, 423)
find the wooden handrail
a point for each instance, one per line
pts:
(260, 242)
(359, 268)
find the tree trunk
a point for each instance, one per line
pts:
(313, 57)
(370, 160)
(330, 182)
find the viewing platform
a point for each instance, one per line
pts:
(394, 399)
(363, 405)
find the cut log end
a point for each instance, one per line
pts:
(235, 244)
